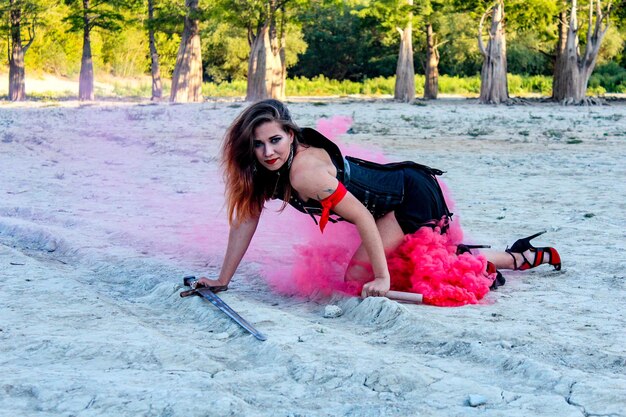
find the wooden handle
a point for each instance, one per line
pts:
(188, 293)
(407, 297)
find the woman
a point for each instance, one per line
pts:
(267, 156)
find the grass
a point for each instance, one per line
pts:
(109, 87)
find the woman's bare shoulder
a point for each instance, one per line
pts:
(309, 158)
(311, 171)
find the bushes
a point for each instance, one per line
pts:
(610, 77)
(229, 89)
(609, 80)
(529, 84)
(459, 85)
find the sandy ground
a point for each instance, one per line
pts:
(104, 207)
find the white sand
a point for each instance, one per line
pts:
(103, 209)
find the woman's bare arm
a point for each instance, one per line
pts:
(314, 180)
(351, 209)
(239, 239)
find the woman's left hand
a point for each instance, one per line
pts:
(376, 288)
(213, 284)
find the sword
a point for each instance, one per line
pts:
(208, 294)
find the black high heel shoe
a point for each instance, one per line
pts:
(463, 248)
(523, 245)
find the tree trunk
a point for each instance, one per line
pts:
(187, 78)
(274, 58)
(573, 70)
(266, 66)
(17, 88)
(560, 56)
(282, 57)
(257, 87)
(493, 83)
(431, 83)
(404, 89)
(157, 90)
(85, 82)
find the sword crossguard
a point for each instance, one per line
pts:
(190, 281)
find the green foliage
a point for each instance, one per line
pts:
(342, 45)
(534, 17)
(459, 85)
(55, 51)
(611, 77)
(225, 51)
(124, 53)
(612, 45)
(524, 55)
(533, 84)
(30, 11)
(169, 17)
(322, 86)
(104, 14)
(235, 88)
(385, 14)
(353, 41)
(167, 46)
(140, 88)
(460, 56)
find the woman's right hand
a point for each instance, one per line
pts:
(214, 284)
(376, 288)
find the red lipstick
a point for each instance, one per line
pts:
(271, 161)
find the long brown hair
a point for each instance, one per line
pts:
(248, 184)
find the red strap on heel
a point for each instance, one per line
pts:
(555, 259)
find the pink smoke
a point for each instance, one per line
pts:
(426, 262)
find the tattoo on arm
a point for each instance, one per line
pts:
(327, 190)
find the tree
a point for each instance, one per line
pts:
(397, 16)
(404, 89)
(187, 78)
(493, 81)
(433, 12)
(21, 13)
(431, 68)
(265, 22)
(267, 69)
(87, 15)
(573, 69)
(157, 89)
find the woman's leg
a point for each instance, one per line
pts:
(359, 268)
(392, 235)
(513, 260)
(502, 260)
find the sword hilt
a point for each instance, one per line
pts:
(192, 282)
(187, 293)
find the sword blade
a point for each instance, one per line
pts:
(225, 308)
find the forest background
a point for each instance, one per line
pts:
(331, 46)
